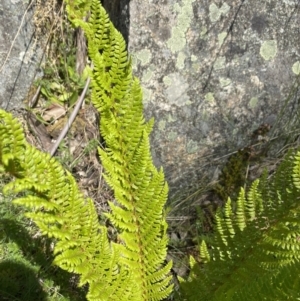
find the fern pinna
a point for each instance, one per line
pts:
(133, 269)
(254, 253)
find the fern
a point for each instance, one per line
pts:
(61, 212)
(254, 253)
(256, 248)
(135, 268)
(139, 188)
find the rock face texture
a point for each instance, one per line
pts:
(213, 73)
(19, 52)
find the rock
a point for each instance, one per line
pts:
(212, 73)
(20, 55)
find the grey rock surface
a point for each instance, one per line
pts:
(212, 72)
(20, 55)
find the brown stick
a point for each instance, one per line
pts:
(71, 119)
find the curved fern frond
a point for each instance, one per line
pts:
(63, 213)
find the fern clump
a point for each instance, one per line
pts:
(255, 249)
(254, 252)
(135, 268)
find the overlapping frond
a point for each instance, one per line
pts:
(62, 212)
(256, 245)
(135, 269)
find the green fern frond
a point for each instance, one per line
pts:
(140, 189)
(256, 245)
(204, 254)
(8, 147)
(135, 269)
(61, 212)
(241, 219)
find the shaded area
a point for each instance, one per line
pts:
(38, 252)
(119, 14)
(19, 282)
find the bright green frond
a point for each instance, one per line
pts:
(135, 269)
(140, 190)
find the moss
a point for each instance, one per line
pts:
(233, 175)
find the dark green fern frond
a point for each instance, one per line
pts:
(255, 245)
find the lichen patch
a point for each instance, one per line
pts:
(176, 92)
(296, 68)
(268, 49)
(215, 13)
(185, 14)
(144, 56)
